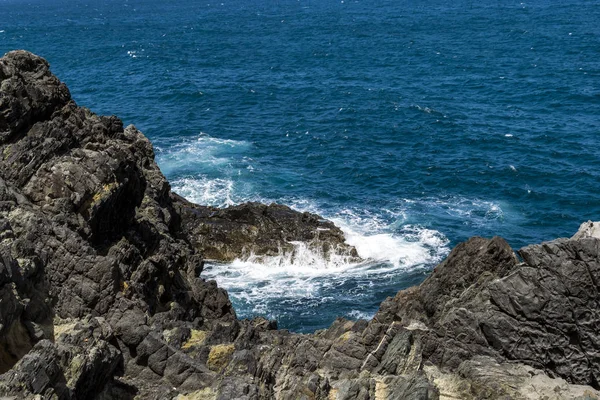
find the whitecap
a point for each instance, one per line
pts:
(201, 190)
(419, 247)
(475, 212)
(205, 169)
(357, 314)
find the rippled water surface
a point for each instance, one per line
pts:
(412, 125)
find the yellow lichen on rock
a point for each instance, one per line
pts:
(204, 394)
(219, 356)
(196, 339)
(6, 152)
(332, 394)
(62, 328)
(345, 336)
(381, 390)
(73, 372)
(106, 189)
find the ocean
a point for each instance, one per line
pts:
(412, 125)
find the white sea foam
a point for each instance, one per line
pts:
(428, 110)
(203, 169)
(214, 192)
(201, 153)
(390, 240)
(416, 247)
(306, 274)
(357, 314)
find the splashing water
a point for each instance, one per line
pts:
(303, 287)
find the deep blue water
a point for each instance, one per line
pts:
(413, 125)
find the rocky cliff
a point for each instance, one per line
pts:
(101, 295)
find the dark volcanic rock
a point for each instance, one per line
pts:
(88, 230)
(30, 93)
(100, 294)
(259, 230)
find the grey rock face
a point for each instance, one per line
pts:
(29, 93)
(100, 294)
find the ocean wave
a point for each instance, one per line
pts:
(214, 192)
(357, 314)
(395, 241)
(472, 211)
(305, 276)
(398, 244)
(202, 153)
(205, 169)
(416, 246)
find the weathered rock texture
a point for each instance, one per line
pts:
(100, 295)
(255, 229)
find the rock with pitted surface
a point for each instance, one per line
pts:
(101, 296)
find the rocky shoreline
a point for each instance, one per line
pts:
(101, 295)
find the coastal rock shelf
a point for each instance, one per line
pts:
(101, 295)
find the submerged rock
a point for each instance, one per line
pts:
(100, 294)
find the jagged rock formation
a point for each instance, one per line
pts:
(255, 229)
(100, 294)
(92, 265)
(482, 326)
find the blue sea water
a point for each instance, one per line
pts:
(413, 125)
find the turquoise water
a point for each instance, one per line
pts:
(413, 126)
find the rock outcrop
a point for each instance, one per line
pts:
(259, 230)
(93, 265)
(101, 295)
(482, 326)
